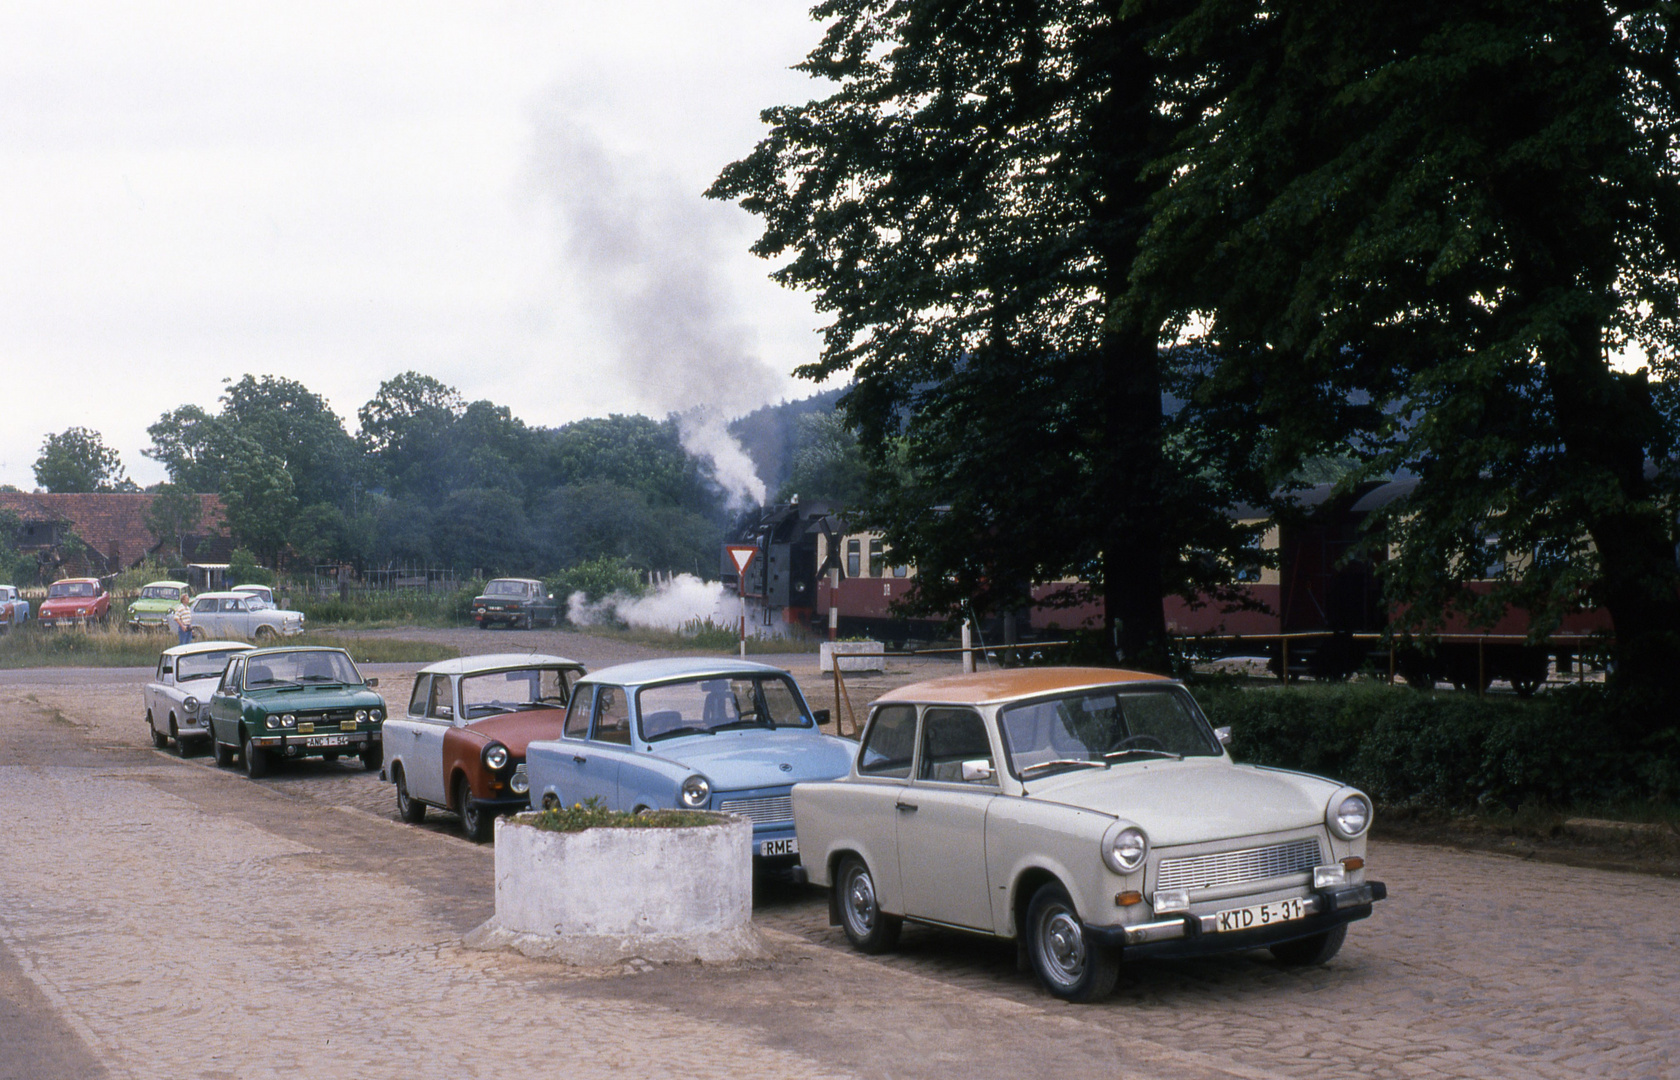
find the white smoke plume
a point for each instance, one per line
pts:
(673, 604)
(647, 251)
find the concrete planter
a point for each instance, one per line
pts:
(832, 652)
(601, 896)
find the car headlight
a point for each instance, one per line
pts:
(288, 720)
(361, 716)
(1348, 814)
(521, 782)
(376, 715)
(696, 792)
(189, 706)
(496, 757)
(1124, 847)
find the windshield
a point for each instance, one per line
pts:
(203, 665)
(160, 592)
(506, 588)
(702, 706)
(1100, 727)
(70, 588)
(298, 668)
(497, 692)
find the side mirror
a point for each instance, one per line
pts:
(820, 716)
(373, 682)
(1223, 734)
(977, 771)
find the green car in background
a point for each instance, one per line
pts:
(285, 703)
(150, 610)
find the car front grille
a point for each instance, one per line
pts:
(333, 717)
(761, 811)
(1237, 867)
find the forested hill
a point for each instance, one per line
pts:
(770, 435)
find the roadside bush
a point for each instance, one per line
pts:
(596, 578)
(1573, 746)
(410, 608)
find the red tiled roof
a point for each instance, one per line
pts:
(112, 523)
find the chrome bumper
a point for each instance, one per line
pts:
(1199, 933)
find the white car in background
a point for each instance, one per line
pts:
(178, 697)
(239, 615)
(14, 609)
(257, 592)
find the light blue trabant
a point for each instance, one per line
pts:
(693, 733)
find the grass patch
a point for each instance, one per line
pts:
(31, 647)
(703, 636)
(590, 814)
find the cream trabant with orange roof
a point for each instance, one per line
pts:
(1092, 815)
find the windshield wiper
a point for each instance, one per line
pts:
(1081, 762)
(1115, 755)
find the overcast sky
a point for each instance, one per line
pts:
(505, 196)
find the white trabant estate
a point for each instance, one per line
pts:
(1092, 815)
(177, 698)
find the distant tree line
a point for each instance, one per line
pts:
(432, 479)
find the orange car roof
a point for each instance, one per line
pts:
(1008, 684)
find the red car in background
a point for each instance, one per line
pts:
(75, 600)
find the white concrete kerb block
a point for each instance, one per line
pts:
(829, 650)
(601, 896)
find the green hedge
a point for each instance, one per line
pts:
(1575, 746)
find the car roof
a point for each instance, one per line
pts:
(1009, 684)
(169, 584)
(250, 588)
(472, 665)
(226, 594)
(275, 649)
(639, 672)
(205, 646)
(75, 581)
(521, 580)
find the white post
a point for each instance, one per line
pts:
(834, 604)
(968, 648)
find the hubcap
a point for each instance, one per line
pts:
(860, 907)
(1063, 944)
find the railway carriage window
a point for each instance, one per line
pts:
(853, 558)
(417, 700)
(612, 716)
(890, 743)
(877, 559)
(949, 738)
(900, 570)
(577, 716)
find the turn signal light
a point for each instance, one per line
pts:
(1352, 863)
(1128, 898)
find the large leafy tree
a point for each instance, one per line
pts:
(968, 205)
(172, 515)
(77, 459)
(1430, 224)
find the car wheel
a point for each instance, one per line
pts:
(256, 759)
(197, 633)
(159, 741)
(265, 634)
(1311, 951)
(224, 753)
(408, 808)
(373, 756)
(868, 928)
(478, 823)
(182, 746)
(1070, 965)
(529, 622)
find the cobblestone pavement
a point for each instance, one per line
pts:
(163, 918)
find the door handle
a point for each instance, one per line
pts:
(579, 758)
(907, 808)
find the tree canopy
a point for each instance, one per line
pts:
(1418, 231)
(967, 205)
(77, 459)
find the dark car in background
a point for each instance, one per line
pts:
(521, 602)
